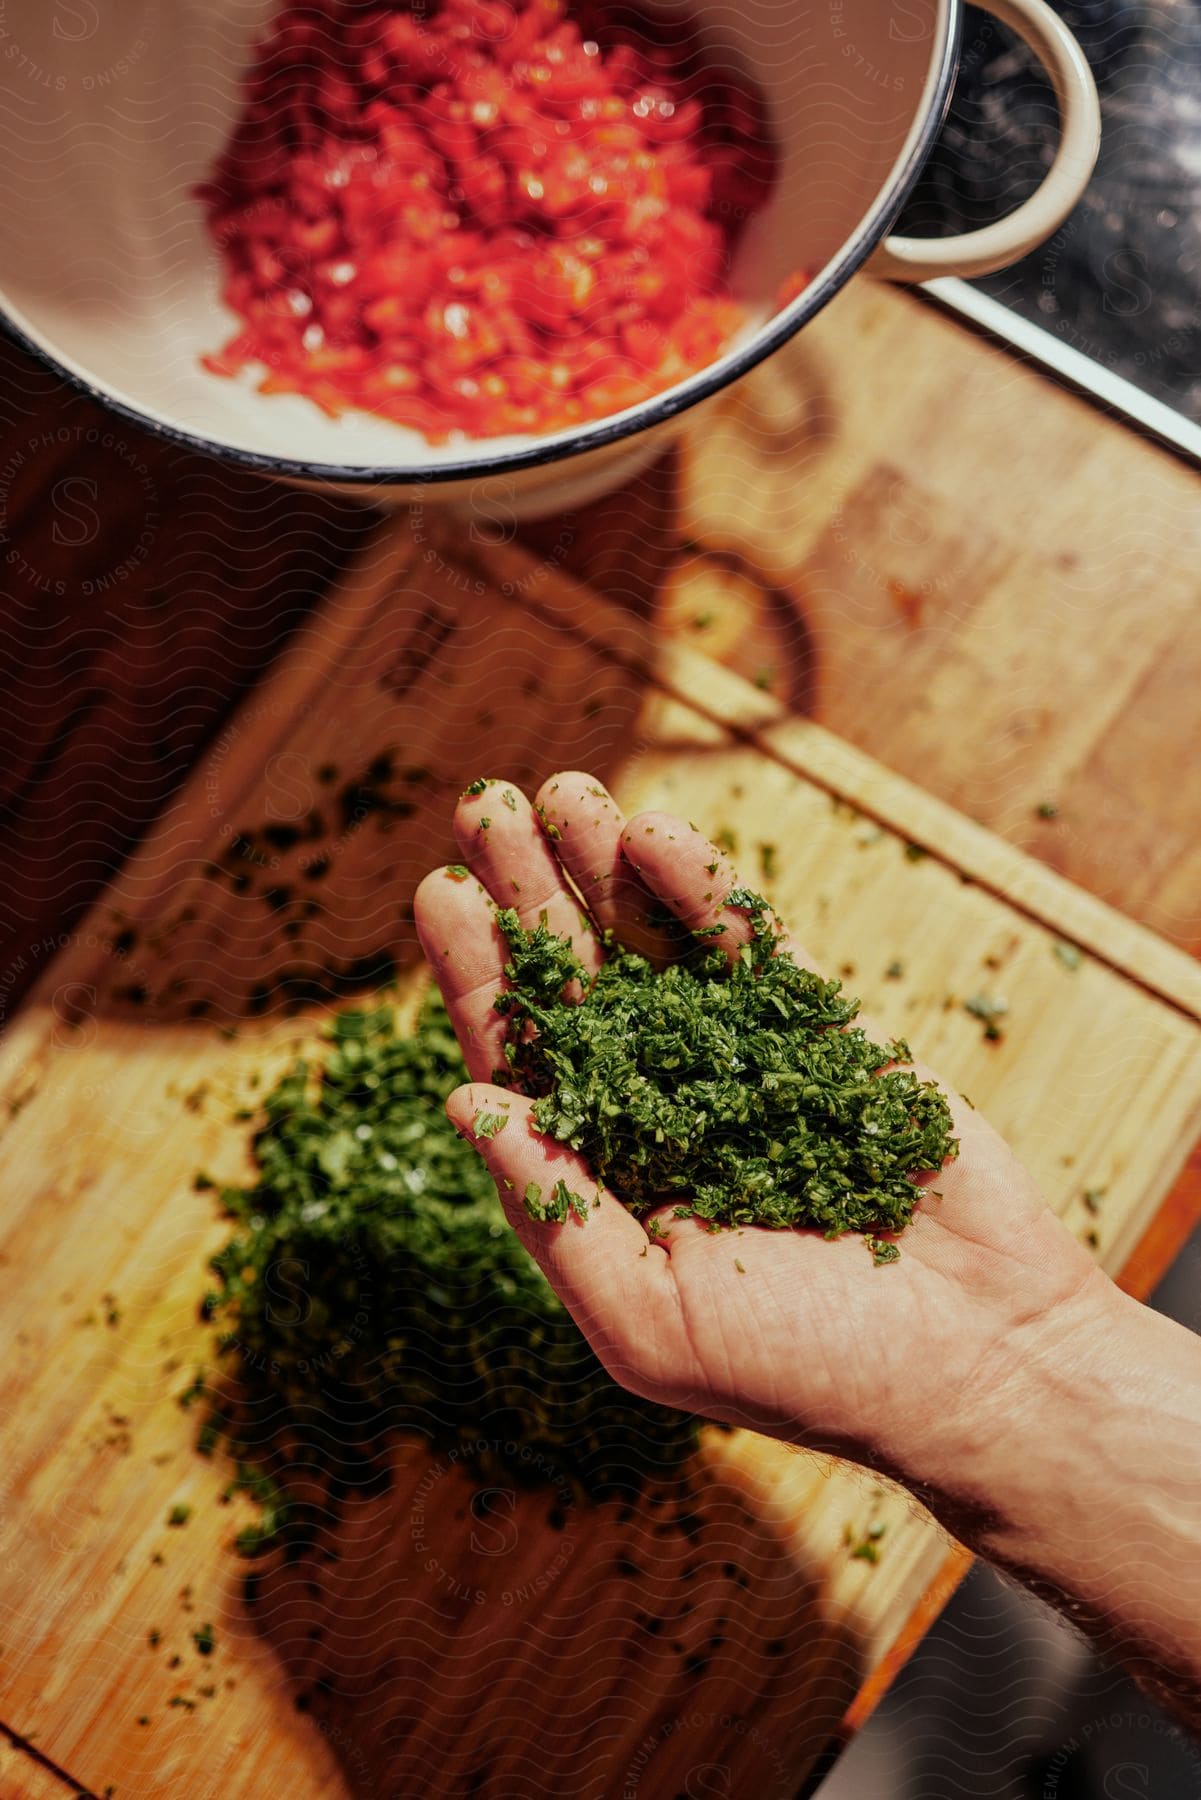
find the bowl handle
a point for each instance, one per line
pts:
(994, 246)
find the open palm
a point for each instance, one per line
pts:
(783, 1331)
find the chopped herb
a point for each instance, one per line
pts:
(372, 1276)
(477, 787)
(990, 1012)
(1093, 1198)
(1068, 954)
(458, 870)
(1047, 809)
(509, 798)
(720, 1086)
(490, 1125)
(895, 970)
(561, 1204)
(725, 839)
(485, 824)
(205, 1639)
(765, 676)
(882, 1251)
(916, 852)
(180, 1513)
(864, 1546)
(767, 862)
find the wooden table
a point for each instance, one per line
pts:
(882, 545)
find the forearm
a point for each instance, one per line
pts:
(1081, 1475)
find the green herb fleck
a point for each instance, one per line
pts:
(916, 852)
(768, 862)
(509, 798)
(882, 1251)
(1093, 1197)
(489, 1125)
(180, 1513)
(864, 1546)
(477, 787)
(458, 871)
(895, 970)
(1047, 809)
(1068, 954)
(205, 1639)
(990, 1012)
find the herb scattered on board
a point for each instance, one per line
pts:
(743, 1092)
(864, 1546)
(372, 1284)
(990, 1012)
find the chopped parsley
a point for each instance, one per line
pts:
(990, 1012)
(490, 1125)
(372, 1285)
(743, 1093)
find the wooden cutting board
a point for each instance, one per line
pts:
(721, 1632)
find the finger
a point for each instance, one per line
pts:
(506, 846)
(590, 823)
(456, 925)
(614, 1282)
(694, 881)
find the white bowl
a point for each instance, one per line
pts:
(107, 271)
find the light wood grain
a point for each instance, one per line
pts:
(994, 588)
(23, 1777)
(553, 1678)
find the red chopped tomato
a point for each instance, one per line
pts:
(483, 216)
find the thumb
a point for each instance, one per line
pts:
(614, 1281)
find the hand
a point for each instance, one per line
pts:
(902, 1366)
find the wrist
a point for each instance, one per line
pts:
(1045, 1396)
(1079, 1470)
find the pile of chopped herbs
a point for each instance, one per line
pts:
(740, 1092)
(373, 1285)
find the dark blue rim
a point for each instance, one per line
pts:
(652, 412)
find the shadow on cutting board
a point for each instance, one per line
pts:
(454, 1636)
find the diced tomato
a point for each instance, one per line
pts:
(482, 216)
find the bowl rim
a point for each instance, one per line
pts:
(598, 434)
